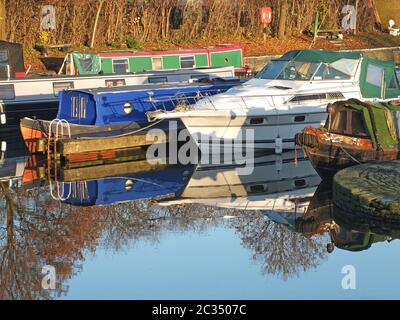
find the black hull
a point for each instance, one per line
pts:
(39, 110)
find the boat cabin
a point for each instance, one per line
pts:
(130, 62)
(376, 78)
(117, 105)
(379, 122)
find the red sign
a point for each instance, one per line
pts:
(266, 15)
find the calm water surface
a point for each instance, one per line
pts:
(186, 232)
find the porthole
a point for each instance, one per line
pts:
(128, 107)
(128, 185)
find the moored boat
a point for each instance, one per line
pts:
(38, 96)
(289, 94)
(355, 132)
(107, 111)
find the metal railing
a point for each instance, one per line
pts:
(272, 101)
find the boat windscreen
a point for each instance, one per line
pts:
(272, 70)
(292, 70)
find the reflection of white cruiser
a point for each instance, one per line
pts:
(287, 95)
(276, 184)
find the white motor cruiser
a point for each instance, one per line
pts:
(289, 94)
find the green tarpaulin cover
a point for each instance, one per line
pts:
(86, 63)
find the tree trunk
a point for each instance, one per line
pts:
(95, 23)
(3, 33)
(282, 19)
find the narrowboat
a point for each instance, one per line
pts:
(355, 132)
(121, 62)
(289, 94)
(105, 111)
(38, 96)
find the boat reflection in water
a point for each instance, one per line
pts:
(276, 212)
(278, 183)
(346, 230)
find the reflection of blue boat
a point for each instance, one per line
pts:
(138, 186)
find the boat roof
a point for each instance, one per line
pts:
(320, 55)
(218, 48)
(155, 86)
(361, 105)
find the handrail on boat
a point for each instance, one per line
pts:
(244, 102)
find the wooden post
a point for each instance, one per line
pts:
(355, 27)
(3, 27)
(282, 19)
(95, 23)
(264, 32)
(316, 28)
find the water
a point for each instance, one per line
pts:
(186, 232)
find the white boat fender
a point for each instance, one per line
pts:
(278, 145)
(278, 163)
(3, 119)
(3, 146)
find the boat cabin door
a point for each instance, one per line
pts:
(77, 107)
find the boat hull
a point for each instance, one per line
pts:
(263, 132)
(33, 131)
(330, 153)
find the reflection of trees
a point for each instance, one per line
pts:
(37, 231)
(281, 251)
(34, 233)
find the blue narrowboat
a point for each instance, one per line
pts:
(107, 111)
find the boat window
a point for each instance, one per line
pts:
(115, 83)
(7, 92)
(258, 188)
(75, 107)
(300, 183)
(60, 86)
(187, 62)
(299, 118)
(158, 79)
(200, 77)
(83, 107)
(156, 63)
(308, 97)
(358, 127)
(327, 72)
(120, 66)
(393, 82)
(272, 70)
(396, 120)
(339, 122)
(335, 95)
(297, 70)
(255, 121)
(375, 75)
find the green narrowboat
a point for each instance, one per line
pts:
(129, 62)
